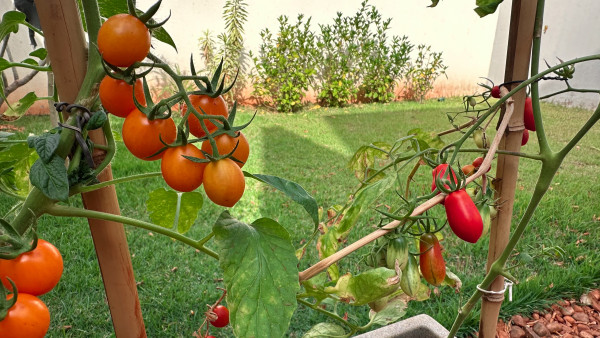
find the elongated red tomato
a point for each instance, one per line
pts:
(224, 182)
(28, 318)
(208, 105)
(225, 145)
(463, 217)
(142, 136)
(180, 173)
(528, 115)
(477, 162)
(431, 261)
(35, 272)
(117, 96)
(123, 39)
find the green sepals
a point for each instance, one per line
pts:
(161, 110)
(565, 72)
(97, 120)
(216, 86)
(14, 244)
(146, 17)
(196, 159)
(6, 304)
(442, 182)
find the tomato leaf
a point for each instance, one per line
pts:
(20, 108)
(314, 287)
(39, 53)
(485, 7)
(322, 330)
(452, 280)
(391, 313)
(10, 23)
(425, 140)
(45, 145)
(260, 273)
(97, 120)
(15, 162)
(366, 287)
(51, 178)
(364, 159)
(292, 190)
(171, 209)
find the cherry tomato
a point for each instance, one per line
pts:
(141, 136)
(431, 261)
(525, 137)
(180, 173)
(225, 145)
(35, 272)
(224, 182)
(28, 318)
(222, 316)
(477, 162)
(495, 92)
(528, 115)
(123, 39)
(117, 96)
(211, 106)
(463, 216)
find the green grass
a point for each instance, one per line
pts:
(312, 148)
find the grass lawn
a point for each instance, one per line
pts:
(312, 148)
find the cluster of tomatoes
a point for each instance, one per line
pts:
(34, 273)
(527, 115)
(123, 40)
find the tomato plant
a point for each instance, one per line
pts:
(179, 172)
(208, 105)
(431, 261)
(117, 96)
(463, 216)
(221, 317)
(35, 272)
(27, 318)
(528, 115)
(224, 182)
(225, 145)
(142, 136)
(123, 39)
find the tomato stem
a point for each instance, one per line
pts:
(88, 188)
(329, 314)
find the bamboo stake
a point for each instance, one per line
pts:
(517, 67)
(66, 47)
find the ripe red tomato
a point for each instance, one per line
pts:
(224, 182)
(35, 272)
(528, 115)
(468, 169)
(211, 106)
(222, 316)
(477, 162)
(141, 136)
(525, 137)
(28, 318)
(431, 261)
(463, 217)
(123, 39)
(495, 92)
(117, 96)
(225, 145)
(180, 173)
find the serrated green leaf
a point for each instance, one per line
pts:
(20, 108)
(39, 53)
(325, 330)
(51, 178)
(168, 208)
(292, 190)
(44, 145)
(485, 7)
(366, 287)
(261, 275)
(10, 23)
(19, 158)
(97, 120)
(391, 313)
(365, 157)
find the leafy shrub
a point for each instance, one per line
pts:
(285, 65)
(422, 73)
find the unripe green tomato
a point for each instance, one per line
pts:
(479, 138)
(397, 251)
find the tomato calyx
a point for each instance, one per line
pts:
(146, 17)
(5, 302)
(213, 87)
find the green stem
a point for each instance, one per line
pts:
(67, 211)
(570, 89)
(329, 314)
(111, 148)
(505, 152)
(535, 93)
(84, 189)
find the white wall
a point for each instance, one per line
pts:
(572, 30)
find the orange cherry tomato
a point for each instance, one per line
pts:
(225, 145)
(180, 173)
(211, 106)
(35, 272)
(123, 39)
(224, 182)
(142, 136)
(28, 318)
(117, 96)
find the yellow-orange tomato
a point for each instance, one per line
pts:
(468, 169)
(123, 39)
(210, 106)
(225, 145)
(27, 318)
(117, 96)
(35, 272)
(142, 136)
(180, 173)
(224, 182)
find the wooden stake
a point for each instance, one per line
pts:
(66, 47)
(518, 58)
